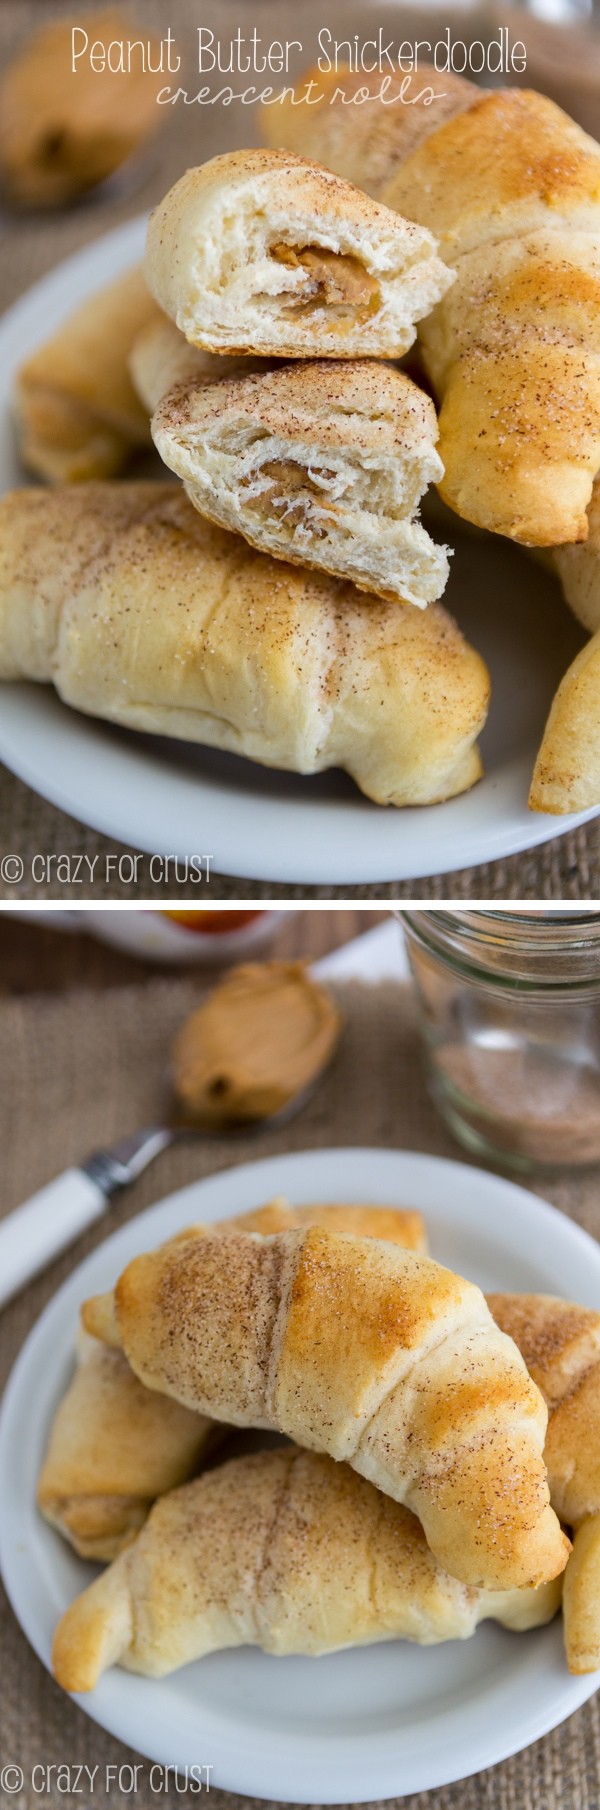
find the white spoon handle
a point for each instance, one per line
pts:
(36, 1232)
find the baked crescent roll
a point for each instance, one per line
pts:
(64, 129)
(566, 775)
(509, 186)
(264, 252)
(140, 612)
(398, 1225)
(114, 1447)
(76, 412)
(323, 463)
(354, 1347)
(362, 125)
(283, 1550)
(511, 189)
(160, 357)
(567, 770)
(582, 1599)
(578, 568)
(560, 1343)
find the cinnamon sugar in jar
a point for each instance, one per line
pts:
(510, 1020)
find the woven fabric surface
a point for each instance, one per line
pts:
(77, 1071)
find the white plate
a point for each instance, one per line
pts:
(374, 1723)
(172, 799)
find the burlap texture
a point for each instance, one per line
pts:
(75, 1073)
(566, 867)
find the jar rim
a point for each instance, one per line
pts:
(537, 948)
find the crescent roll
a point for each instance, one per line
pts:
(511, 188)
(77, 414)
(560, 1343)
(567, 769)
(283, 1550)
(64, 128)
(140, 612)
(360, 124)
(578, 568)
(161, 358)
(264, 252)
(323, 463)
(114, 1447)
(566, 775)
(354, 1347)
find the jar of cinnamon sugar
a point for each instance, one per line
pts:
(510, 1021)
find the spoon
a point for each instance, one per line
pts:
(58, 1213)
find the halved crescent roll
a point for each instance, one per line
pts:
(77, 414)
(321, 463)
(140, 612)
(284, 1550)
(264, 252)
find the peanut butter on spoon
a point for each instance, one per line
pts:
(261, 1038)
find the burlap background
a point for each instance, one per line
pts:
(75, 1073)
(567, 867)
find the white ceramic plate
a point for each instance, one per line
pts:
(369, 1724)
(172, 799)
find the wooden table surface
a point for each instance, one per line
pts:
(38, 959)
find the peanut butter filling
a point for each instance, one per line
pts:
(335, 279)
(259, 1040)
(291, 489)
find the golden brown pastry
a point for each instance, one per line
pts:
(511, 188)
(260, 1039)
(140, 612)
(267, 253)
(560, 1343)
(283, 1550)
(341, 118)
(567, 770)
(76, 412)
(161, 358)
(114, 1447)
(582, 1599)
(320, 462)
(578, 568)
(63, 129)
(354, 1347)
(399, 1225)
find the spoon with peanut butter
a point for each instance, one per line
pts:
(255, 1046)
(248, 1057)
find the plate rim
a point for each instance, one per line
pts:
(383, 1164)
(358, 859)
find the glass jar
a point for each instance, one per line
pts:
(510, 1021)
